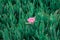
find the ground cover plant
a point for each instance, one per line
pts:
(29, 19)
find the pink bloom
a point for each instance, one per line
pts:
(31, 20)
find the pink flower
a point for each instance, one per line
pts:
(31, 20)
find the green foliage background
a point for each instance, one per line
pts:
(14, 15)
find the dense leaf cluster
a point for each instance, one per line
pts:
(14, 15)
